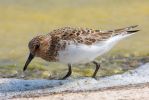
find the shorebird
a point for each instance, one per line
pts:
(76, 45)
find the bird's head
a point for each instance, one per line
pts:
(37, 46)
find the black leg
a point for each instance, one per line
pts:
(69, 72)
(97, 68)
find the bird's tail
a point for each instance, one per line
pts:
(124, 31)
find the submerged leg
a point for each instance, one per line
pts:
(96, 70)
(69, 72)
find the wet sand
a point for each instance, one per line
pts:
(131, 85)
(130, 92)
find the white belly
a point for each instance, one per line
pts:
(78, 54)
(81, 53)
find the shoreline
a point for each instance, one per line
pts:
(19, 88)
(122, 92)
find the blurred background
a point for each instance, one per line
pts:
(21, 20)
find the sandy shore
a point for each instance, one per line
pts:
(130, 92)
(131, 85)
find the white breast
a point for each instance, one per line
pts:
(81, 53)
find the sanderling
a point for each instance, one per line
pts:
(75, 45)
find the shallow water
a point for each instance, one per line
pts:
(109, 66)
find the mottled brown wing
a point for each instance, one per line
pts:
(85, 35)
(77, 35)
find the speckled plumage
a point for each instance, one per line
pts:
(60, 38)
(76, 45)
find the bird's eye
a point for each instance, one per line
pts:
(36, 47)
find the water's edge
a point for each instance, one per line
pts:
(19, 87)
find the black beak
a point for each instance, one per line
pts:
(28, 61)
